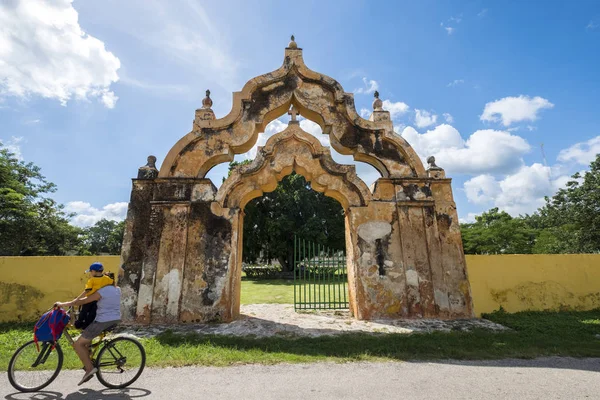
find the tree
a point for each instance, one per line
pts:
(105, 237)
(293, 208)
(30, 222)
(570, 220)
(496, 232)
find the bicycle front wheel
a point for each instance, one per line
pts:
(120, 362)
(30, 370)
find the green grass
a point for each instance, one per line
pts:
(267, 292)
(282, 292)
(533, 334)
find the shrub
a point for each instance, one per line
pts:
(266, 271)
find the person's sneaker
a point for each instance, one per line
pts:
(87, 376)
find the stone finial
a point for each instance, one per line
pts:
(293, 112)
(431, 162)
(292, 44)
(433, 171)
(149, 170)
(207, 101)
(377, 103)
(205, 113)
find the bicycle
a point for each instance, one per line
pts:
(119, 357)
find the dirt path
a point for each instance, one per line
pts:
(263, 320)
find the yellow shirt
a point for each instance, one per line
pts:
(96, 283)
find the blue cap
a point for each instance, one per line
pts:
(96, 267)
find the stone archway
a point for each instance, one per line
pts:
(182, 245)
(290, 150)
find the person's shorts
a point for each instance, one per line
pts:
(96, 328)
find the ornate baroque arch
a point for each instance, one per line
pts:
(266, 97)
(293, 150)
(182, 246)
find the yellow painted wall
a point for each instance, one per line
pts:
(534, 282)
(30, 285)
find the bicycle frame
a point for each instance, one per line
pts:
(94, 346)
(43, 356)
(99, 342)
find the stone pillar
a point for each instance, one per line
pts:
(417, 268)
(351, 266)
(134, 245)
(152, 244)
(165, 243)
(376, 253)
(451, 251)
(207, 275)
(450, 254)
(170, 263)
(438, 275)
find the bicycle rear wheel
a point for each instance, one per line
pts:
(120, 362)
(30, 370)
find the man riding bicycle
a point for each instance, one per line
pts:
(108, 315)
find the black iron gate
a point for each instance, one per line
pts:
(320, 278)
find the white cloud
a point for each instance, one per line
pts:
(453, 20)
(469, 219)
(592, 25)
(396, 109)
(86, 215)
(109, 99)
(184, 34)
(13, 145)
(520, 193)
(433, 141)
(154, 87)
(482, 13)
(424, 118)
(44, 52)
(485, 151)
(582, 153)
(365, 113)
(482, 189)
(370, 87)
(314, 129)
(514, 109)
(448, 117)
(456, 82)
(272, 128)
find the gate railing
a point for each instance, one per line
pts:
(320, 277)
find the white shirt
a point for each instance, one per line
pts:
(109, 305)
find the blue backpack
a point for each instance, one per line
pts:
(50, 326)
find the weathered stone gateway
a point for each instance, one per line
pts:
(183, 237)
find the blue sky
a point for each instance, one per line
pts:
(89, 89)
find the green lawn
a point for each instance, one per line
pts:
(267, 292)
(282, 292)
(534, 334)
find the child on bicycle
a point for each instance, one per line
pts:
(98, 279)
(108, 314)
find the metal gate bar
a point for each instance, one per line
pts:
(320, 277)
